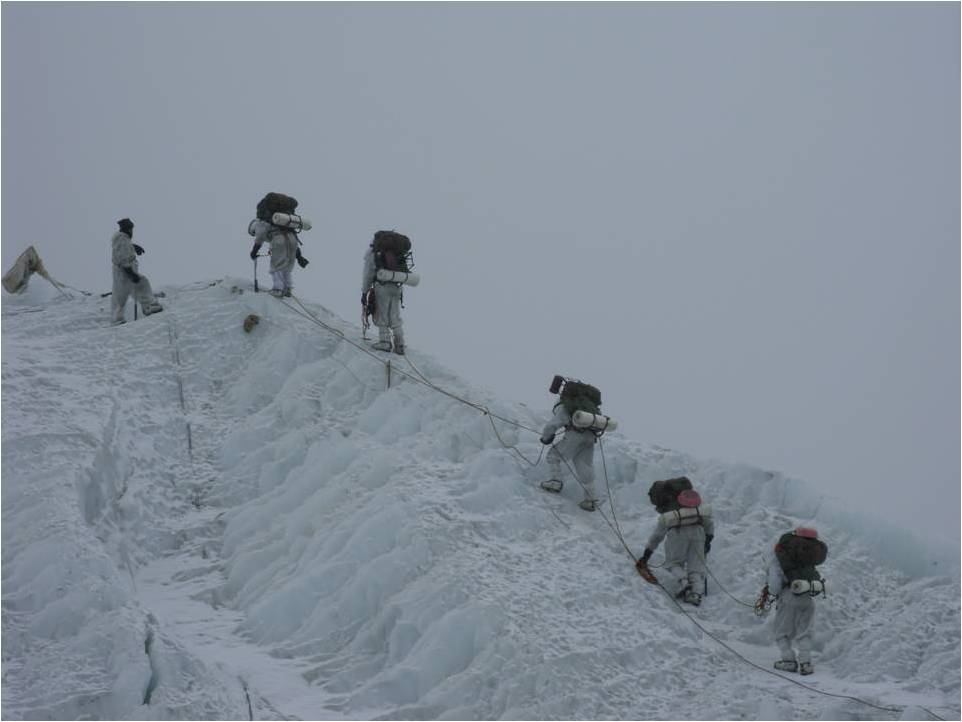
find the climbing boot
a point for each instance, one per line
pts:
(787, 665)
(805, 668)
(692, 597)
(588, 504)
(552, 485)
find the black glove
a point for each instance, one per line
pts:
(708, 539)
(138, 249)
(547, 440)
(301, 261)
(646, 556)
(254, 250)
(364, 299)
(132, 274)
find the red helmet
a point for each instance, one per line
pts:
(689, 498)
(806, 532)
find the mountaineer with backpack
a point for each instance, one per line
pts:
(688, 529)
(578, 412)
(127, 279)
(794, 582)
(277, 224)
(387, 267)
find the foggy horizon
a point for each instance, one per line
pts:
(740, 221)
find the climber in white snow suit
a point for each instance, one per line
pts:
(387, 305)
(284, 252)
(687, 539)
(794, 583)
(577, 447)
(127, 279)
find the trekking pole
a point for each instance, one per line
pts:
(255, 274)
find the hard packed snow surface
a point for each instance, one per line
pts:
(201, 523)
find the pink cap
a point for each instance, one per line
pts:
(689, 498)
(806, 532)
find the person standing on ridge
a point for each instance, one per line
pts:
(794, 582)
(126, 278)
(387, 268)
(578, 411)
(687, 526)
(277, 225)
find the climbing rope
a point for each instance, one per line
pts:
(421, 379)
(776, 674)
(614, 529)
(611, 501)
(750, 605)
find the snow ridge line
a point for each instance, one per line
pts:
(427, 383)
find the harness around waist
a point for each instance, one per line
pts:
(686, 516)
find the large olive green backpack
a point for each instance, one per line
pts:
(392, 250)
(664, 493)
(577, 396)
(799, 555)
(275, 203)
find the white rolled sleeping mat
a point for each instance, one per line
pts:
(292, 221)
(597, 422)
(408, 278)
(686, 515)
(803, 586)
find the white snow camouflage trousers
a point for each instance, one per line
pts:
(387, 314)
(578, 449)
(283, 255)
(685, 558)
(123, 287)
(794, 617)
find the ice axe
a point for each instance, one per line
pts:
(367, 310)
(259, 255)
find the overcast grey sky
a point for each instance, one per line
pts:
(740, 221)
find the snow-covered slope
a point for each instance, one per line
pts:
(203, 523)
